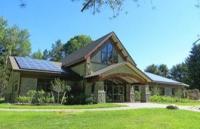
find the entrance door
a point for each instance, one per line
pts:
(114, 92)
(118, 93)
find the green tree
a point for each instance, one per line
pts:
(37, 55)
(163, 70)
(179, 72)
(193, 63)
(56, 53)
(13, 42)
(76, 43)
(152, 69)
(60, 87)
(46, 55)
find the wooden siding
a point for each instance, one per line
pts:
(80, 69)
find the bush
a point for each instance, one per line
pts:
(168, 99)
(23, 99)
(80, 99)
(2, 100)
(38, 98)
(89, 100)
(31, 93)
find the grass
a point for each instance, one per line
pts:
(124, 119)
(91, 106)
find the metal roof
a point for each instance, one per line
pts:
(163, 80)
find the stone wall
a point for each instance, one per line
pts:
(168, 90)
(99, 92)
(193, 94)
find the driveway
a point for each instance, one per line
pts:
(157, 105)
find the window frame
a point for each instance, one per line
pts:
(107, 54)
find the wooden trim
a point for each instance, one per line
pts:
(121, 74)
(120, 51)
(100, 44)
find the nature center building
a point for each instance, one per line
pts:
(103, 70)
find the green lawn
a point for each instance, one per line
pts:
(91, 106)
(124, 119)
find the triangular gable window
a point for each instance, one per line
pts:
(109, 54)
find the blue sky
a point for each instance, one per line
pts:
(163, 35)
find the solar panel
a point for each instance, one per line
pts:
(35, 64)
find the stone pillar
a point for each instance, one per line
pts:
(127, 93)
(100, 93)
(145, 93)
(132, 94)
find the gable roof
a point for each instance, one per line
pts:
(83, 53)
(163, 80)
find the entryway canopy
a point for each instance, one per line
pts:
(121, 71)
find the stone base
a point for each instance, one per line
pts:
(101, 97)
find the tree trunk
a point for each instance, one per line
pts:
(58, 97)
(63, 97)
(53, 97)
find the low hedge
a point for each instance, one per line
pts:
(168, 99)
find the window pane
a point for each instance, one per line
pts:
(110, 55)
(104, 55)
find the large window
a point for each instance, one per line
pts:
(108, 54)
(44, 84)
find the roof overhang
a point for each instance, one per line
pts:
(124, 71)
(171, 84)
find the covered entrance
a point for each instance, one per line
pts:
(115, 83)
(115, 92)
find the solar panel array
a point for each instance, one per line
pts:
(35, 64)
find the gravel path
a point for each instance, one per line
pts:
(129, 106)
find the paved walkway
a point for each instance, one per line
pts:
(129, 106)
(156, 105)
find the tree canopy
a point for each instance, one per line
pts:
(193, 63)
(56, 53)
(13, 42)
(161, 70)
(59, 50)
(37, 55)
(179, 72)
(76, 43)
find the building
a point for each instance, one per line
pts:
(103, 69)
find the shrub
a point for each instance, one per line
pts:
(35, 97)
(23, 99)
(168, 99)
(61, 88)
(31, 93)
(80, 99)
(89, 100)
(38, 98)
(2, 100)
